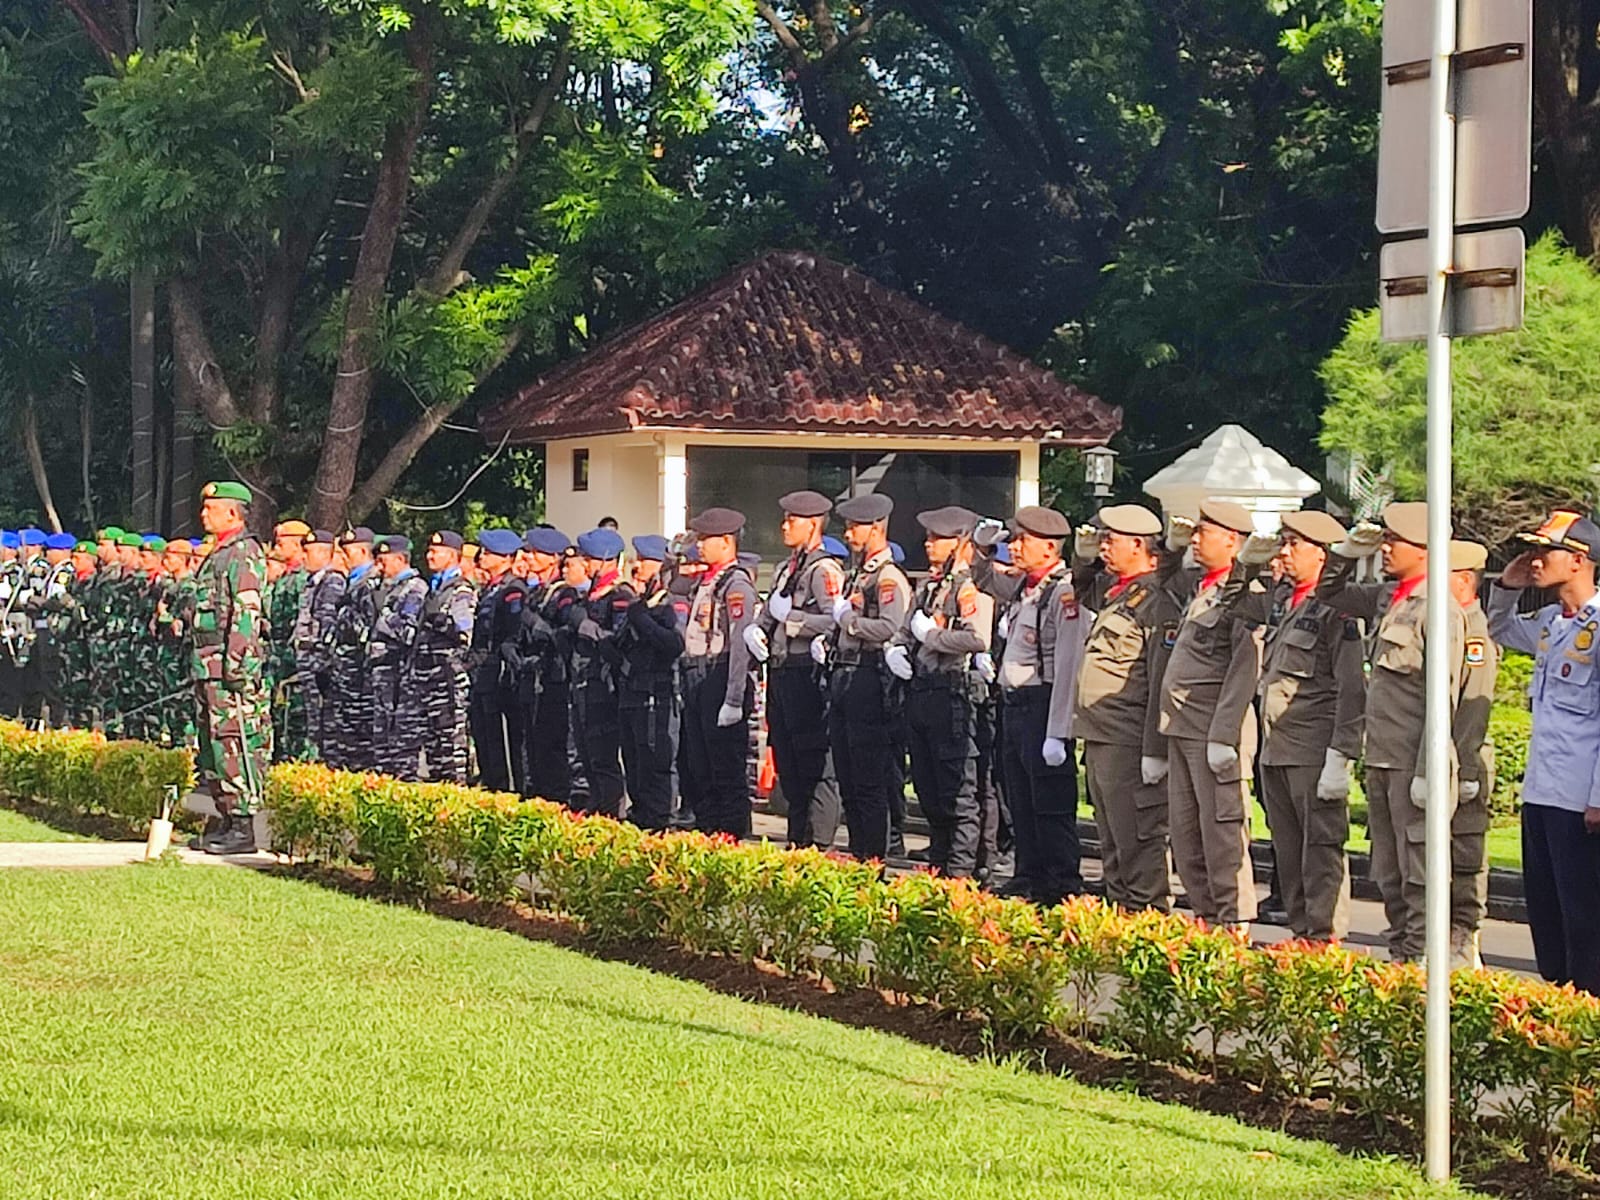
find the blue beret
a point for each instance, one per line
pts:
(61, 541)
(897, 553)
(499, 541)
(546, 541)
(1002, 552)
(10, 540)
(150, 539)
(196, 543)
(32, 537)
(600, 543)
(651, 546)
(835, 547)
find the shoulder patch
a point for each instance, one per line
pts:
(968, 599)
(1352, 631)
(886, 591)
(1477, 652)
(1169, 634)
(1069, 603)
(736, 605)
(1585, 637)
(832, 583)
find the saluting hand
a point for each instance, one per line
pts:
(1519, 574)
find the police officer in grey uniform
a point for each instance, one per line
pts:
(1312, 697)
(1043, 628)
(1396, 746)
(949, 625)
(1208, 719)
(718, 680)
(865, 698)
(1118, 715)
(798, 610)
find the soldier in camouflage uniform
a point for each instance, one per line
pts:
(49, 612)
(230, 691)
(174, 634)
(434, 712)
(290, 724)
(349, 692)
(396, 721)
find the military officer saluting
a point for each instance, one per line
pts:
(1044, 631)
(1208, 718)
(798, 611)
(1313, 694)
(864, 697)
(1561, 791)
(1396, 746)
(949, 626)
(718, 679)
(1118, 713)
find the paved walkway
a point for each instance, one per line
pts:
(107, 854)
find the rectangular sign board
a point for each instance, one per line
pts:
(1486, 286)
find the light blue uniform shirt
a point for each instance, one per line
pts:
(1564, 752)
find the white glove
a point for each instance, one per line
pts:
(898, 660)
(780, 606)
(729, 714)
(1360, 541)
(1470, 789)
(755, 641)
(1221, 758)
(1258, 549)
(1003, 629)
(1180, 532)
(1054, 751)
(1419, 791)
(1334, 782)
(819, 651)
(1152, 770)
(983, 664)
(1086, 543)
(922, 625)
(841, 606)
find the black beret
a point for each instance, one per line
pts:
(1042, 522)
(447, 537)
(951, 521)
(718, 522)
(867, 509)
(805, 504)
(360, 534)
(393, 543)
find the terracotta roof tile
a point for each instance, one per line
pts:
(792, 341)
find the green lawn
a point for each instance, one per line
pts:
(189, 1032)
(14, 827)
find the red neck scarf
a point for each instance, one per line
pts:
(1403, 589)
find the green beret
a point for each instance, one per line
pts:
(111, 533)
(158, 544)
(131, 539)
(225, 489)
(87, 548)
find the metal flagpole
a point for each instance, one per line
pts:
(1441, 231)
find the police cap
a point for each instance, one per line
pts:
(1566, 530)
(718, 522)
(1408, 521)
(1134, 520)
(393, 543)
(866, 510)
(650, 547)
(600, 543)
(805, 504)
(1314, 526)
(951, 521)
(1041, 522)
(447, 537)
(1227, 515)
(1468, 556)
(500, 541)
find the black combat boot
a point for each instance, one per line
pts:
(240, 838)
(215, 827)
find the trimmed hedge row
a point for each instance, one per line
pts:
(78, 773)
(1299, 1020)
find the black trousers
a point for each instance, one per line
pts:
(1561, 883)
(546, 770)
(1043, 799)
(990, 800)
(712, 764)
(597, 732)
(649, 750)
(797, 730)
(944, 769)
(858, 729)
(497, 733)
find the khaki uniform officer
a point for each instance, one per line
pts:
(1210, 724)
(1118, 714)
(1313, 694)
(1469, 825)
(1396, 746)
(1038, 676)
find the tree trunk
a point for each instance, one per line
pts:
(86, 451)
(352, 385)
(1566, 83)
(184, 417)
(142, 373)
(41, 478)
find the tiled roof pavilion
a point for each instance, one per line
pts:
(793, 342)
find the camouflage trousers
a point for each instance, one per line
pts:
(235, 745)
(397, 722)
(347, 720)
(291, 720)
(434, 717)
